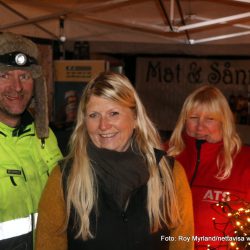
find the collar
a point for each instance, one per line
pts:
(26, 120)
(119, 174)
(191, 142)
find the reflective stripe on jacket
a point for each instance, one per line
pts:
(17, 227)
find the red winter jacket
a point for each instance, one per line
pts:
(207, 189)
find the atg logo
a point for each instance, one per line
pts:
(216, 195)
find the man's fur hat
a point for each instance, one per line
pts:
(14, 46)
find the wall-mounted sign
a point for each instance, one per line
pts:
(164, 83)
(70, 78)
(78, 70)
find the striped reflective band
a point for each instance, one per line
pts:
(13, 228)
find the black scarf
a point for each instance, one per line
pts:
(118, 173)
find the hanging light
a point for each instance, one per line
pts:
(62, 36)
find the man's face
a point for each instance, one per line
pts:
(16, 90)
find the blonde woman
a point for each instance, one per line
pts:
(116, 190)
(206, 143)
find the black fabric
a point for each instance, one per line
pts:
(171, 161)
(158, 155)
(23, 242)
(120, 230)
(116, 228)
(118, 173)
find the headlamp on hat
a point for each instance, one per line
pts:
(17, 59)
(20, 59)
(18, 52)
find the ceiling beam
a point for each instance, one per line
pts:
(148, 28)
(182, 18)
(212, 22)
(242, 1)
(26, 18)
(221, 37)
(83, 10)
(165, 14)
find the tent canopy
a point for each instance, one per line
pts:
(158, 22)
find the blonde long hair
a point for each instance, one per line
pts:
(210, 99)
(81, 190)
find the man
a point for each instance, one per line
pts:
(28, 148)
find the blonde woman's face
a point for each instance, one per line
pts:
(204, 126)
(109, 124)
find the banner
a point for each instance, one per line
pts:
(164, 83)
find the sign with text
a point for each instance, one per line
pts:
(164, 83)
(78, 70)
(71, 77)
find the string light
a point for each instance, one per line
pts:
(237, 213)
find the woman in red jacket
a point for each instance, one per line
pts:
(206, 143)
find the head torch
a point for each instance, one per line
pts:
(17, 59)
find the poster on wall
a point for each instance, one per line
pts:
(164, 83)
(70, 78)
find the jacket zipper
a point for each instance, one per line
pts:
(198, 147)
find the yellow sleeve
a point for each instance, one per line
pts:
(184, 232)
(51, 215)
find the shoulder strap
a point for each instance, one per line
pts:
(170, 160)
(160, 153)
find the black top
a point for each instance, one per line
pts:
(116, 227)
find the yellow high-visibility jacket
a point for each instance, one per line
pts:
(25, 164)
